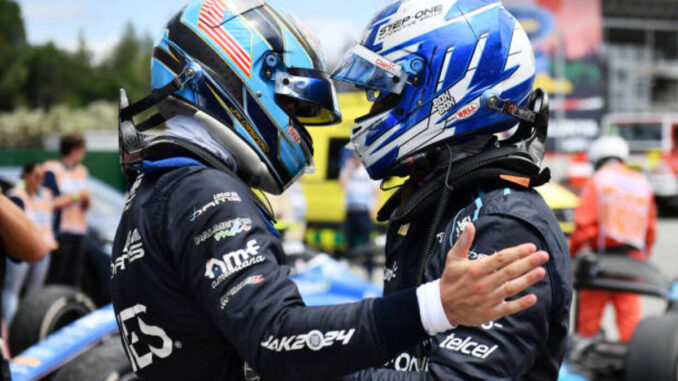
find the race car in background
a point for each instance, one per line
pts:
(90, 348)
(70, 340)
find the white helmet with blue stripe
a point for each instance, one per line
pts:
(438, 71)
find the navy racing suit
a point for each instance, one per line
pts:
(529, 345)
(200, 293)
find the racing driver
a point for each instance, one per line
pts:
(197, 282)
(445, 77)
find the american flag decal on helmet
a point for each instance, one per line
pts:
(209, 21)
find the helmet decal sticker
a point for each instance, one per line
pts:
(401, 24)
(210, 21)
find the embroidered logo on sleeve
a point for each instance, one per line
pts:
(218, 269)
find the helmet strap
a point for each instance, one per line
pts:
(157, 96)
(532, 132)
(505, 106)
(132, 142)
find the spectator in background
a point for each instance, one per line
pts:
(67, 179)
(19, 240)
(616, 215)
(289, 209)
(361, 203)
(38, 204)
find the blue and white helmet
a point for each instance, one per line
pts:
(430, 67)
(257, 76)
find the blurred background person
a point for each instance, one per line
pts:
(290, 212)
(20, 240)
(38, 204)
(361, 201)
(67, 179)
(361, 197)
(616, 215)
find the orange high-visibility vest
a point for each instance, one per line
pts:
(71, 181)
(616, 209)
(624, 201)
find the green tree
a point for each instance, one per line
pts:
(12, 54)
(51, 79)
(44, 76)
(128, 65)
(87, 87)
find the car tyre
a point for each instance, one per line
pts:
(105, 362)
(653, 350)
(44, 312)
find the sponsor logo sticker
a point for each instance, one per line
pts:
(468, 111)
(406, 362)
(390, 273)
(443, 103)
(404, 22)
(133, 339)
(132, 251)
(256, 279)
(217, 199)
(225, 229)
(467, 346)
(386, 65)
(250, 130)
(295, 136)
(218, 269)
(314, 340)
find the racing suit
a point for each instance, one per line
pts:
(616, 214)
(529, 345)
(200, 294)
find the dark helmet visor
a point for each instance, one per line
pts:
(308, 96)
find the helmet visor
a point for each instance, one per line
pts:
(367, 69)
(308, 96)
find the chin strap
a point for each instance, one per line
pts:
(127, 113)
(132, 143)
(136, 147)
(530, 137)
(505, 106)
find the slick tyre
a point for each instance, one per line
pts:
(43, 313)
(653, 350)
(105, 362)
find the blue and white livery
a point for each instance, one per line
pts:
(429, 66)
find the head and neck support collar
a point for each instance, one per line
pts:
(516, 160)
(135, 147)
(132, 141)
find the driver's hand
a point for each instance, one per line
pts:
(475, 292)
